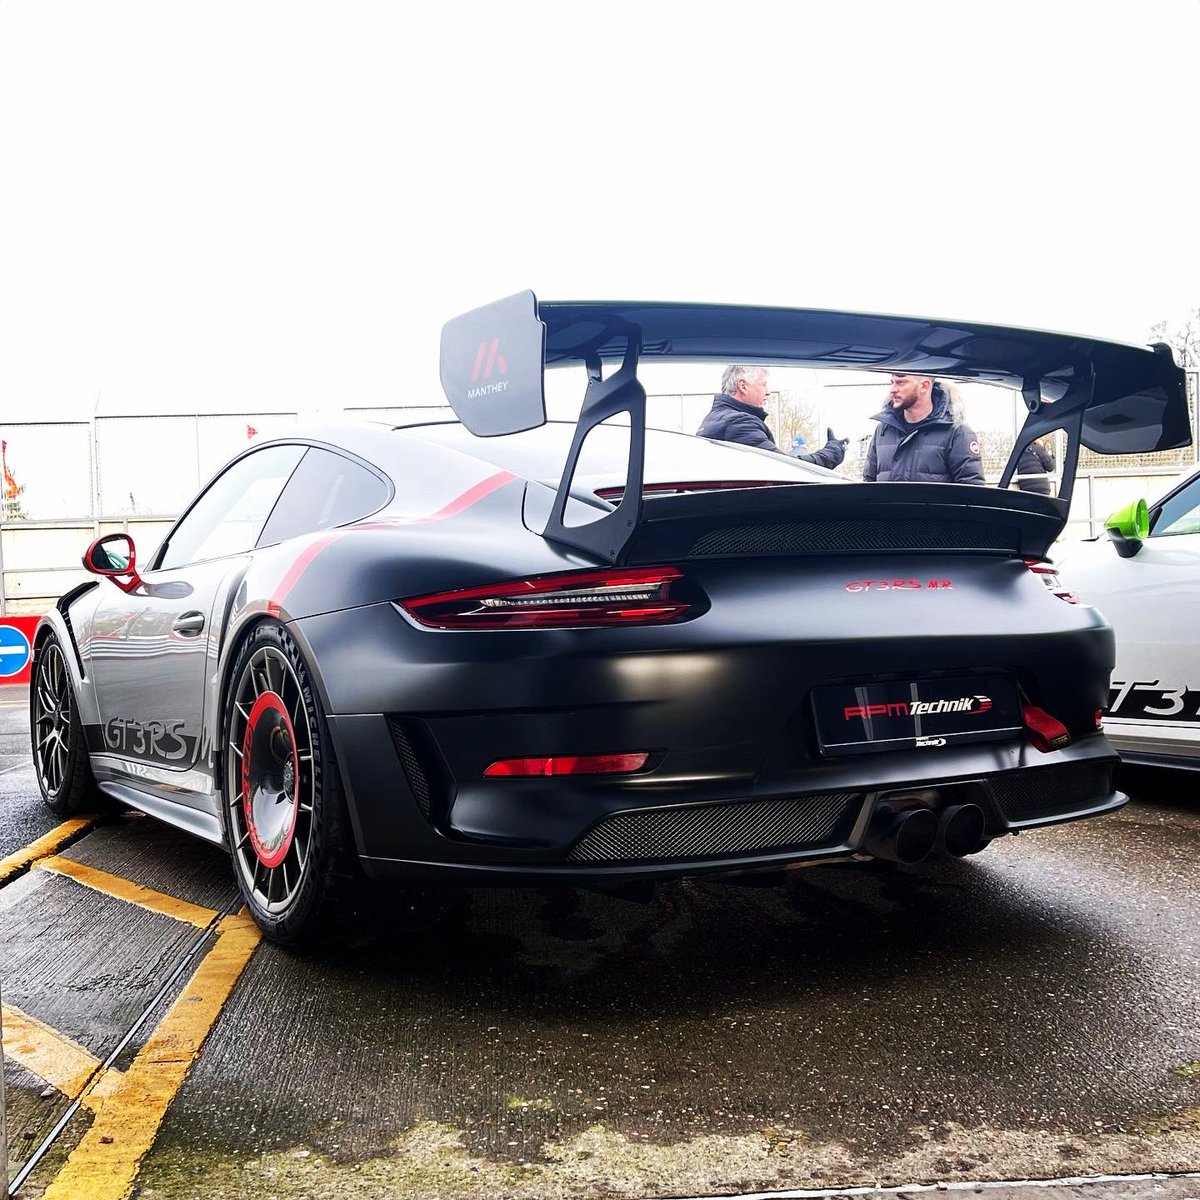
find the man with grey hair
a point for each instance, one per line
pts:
(738, 414)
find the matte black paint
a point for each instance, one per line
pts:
(722, 701)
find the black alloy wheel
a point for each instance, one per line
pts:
(56, 734)
(285, 819)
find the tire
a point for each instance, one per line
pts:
(56, 737)
(285, 818)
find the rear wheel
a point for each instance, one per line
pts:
(56, 734)
(285, 819)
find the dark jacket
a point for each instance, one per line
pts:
(1037, 461)
(730, 420)
(934, 450)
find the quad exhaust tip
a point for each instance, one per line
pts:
(910, 835)
(962, 830)
(905, 837)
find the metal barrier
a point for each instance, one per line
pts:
(67, 482)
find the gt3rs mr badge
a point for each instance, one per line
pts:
(899, 585)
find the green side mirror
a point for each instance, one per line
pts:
(1128, 527)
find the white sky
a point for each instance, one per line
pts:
(222, 206)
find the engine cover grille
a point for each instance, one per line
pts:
(1042, 792)
(715, 830)
(833, 537)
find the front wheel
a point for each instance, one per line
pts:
(285, 818)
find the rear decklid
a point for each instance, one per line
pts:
(855, 518)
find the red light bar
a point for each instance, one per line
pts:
(578, 599)
(708, 485)
(1045, 732)
(579, 764)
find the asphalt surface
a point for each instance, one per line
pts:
(20, 820)
(1030, 1013)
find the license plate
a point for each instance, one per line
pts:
(922, 714)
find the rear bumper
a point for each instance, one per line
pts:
(724, 705)
(594, 831)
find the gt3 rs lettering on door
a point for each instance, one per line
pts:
(148, 650)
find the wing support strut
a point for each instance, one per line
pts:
(608, 536)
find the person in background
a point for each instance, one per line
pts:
(918, 439)
(1034, 468)
(739, 414)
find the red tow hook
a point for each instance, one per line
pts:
(1045, 732)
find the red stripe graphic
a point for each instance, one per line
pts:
(459, 504)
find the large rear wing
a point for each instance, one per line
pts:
(1112, 398)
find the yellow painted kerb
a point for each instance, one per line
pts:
(105, 1164)
(57, 1060)
(52, 843)
(133, 893)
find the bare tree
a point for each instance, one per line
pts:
(795, 413)
(1183, 338)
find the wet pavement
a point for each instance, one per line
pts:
(1029, 1013)
(20, 820)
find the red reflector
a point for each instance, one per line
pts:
(1045, 732)
(1099, 717)
(568, 764)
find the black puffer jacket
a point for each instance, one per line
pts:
(731, 420)
(1037, 461)
(934, 450)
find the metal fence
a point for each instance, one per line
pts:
(67, 482)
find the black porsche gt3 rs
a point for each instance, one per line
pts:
(501, 650)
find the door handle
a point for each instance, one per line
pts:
(189, 623)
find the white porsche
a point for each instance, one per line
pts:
(1144, 576)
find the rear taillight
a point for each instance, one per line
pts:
(620, 596)
(1048, 574)
(571, 764)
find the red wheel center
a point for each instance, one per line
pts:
(270, 779)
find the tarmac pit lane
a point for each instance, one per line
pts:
(1029, 1013)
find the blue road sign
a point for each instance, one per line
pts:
(14, 651)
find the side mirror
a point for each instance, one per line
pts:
(1128, 527)
(113, 556)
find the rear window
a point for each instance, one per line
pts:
(325, 490)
